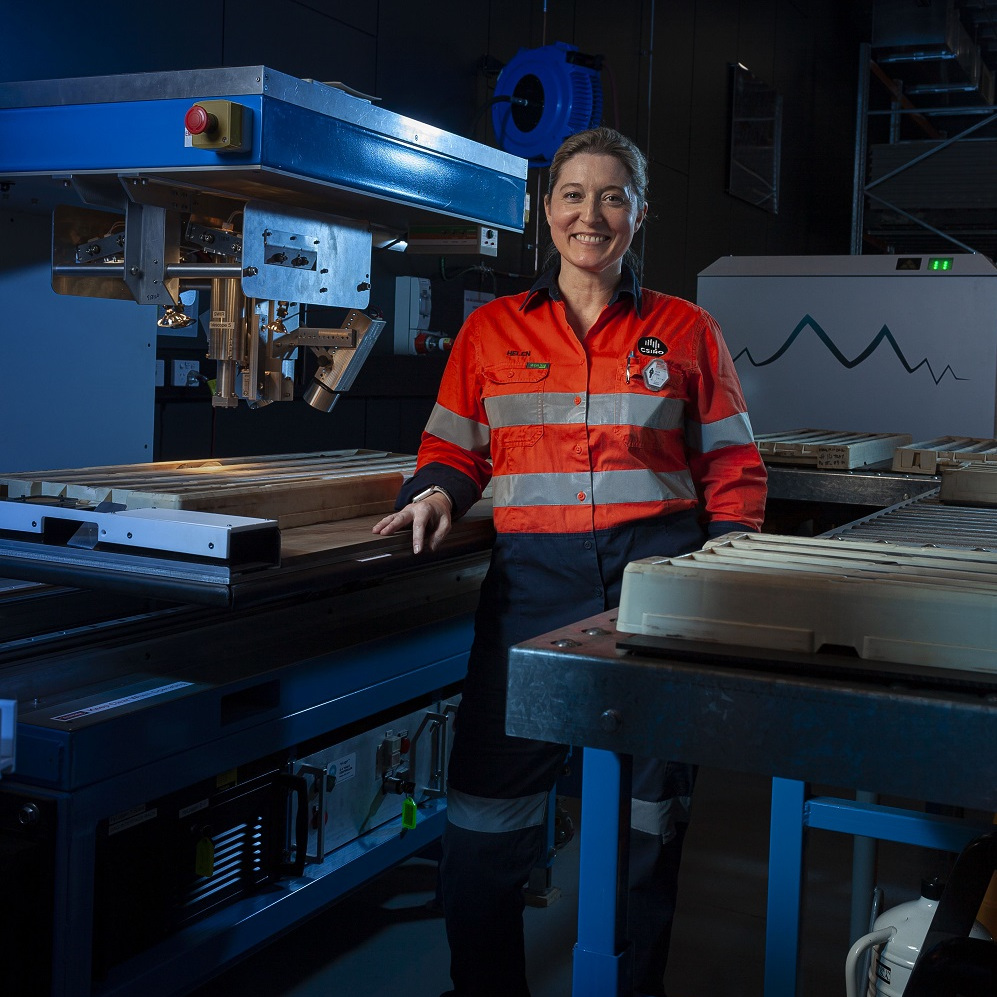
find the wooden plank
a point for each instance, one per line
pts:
(225, 468)
(97, 476)
(314, 540)
(260, 459)
(274, 463)
(297, 503)
(193, 485)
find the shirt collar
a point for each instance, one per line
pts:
(547, 281)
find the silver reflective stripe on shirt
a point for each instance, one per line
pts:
(603, 487)
(648, 411)
(733, 431)
(525, 409)
(559, 408)
(642, 485)
(480, 813)
(456, 429)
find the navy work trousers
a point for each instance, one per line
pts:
(499, 785)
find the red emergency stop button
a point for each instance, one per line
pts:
(197, 120)
(218, 126)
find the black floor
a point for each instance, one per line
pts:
(384, 942)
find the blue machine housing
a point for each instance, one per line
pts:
(310, 144)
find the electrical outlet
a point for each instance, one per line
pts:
(488, 241)
(182, 369)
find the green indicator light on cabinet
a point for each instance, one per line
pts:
(940, 263)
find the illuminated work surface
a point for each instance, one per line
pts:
(318, 556)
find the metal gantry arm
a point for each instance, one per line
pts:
(281, 201)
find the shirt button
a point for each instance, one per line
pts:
(578, 400)
(581, 496)
(587, 544)
(578, 449)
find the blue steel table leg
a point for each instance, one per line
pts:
(785, 887)
(864, 856)
(603, 962)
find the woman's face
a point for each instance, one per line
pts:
(593, 212)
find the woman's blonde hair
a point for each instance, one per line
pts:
(606, 142)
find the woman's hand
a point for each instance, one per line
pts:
(430, 521)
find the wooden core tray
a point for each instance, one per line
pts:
(829, 450)
(929, 456)
(969, 484)
(294, 489)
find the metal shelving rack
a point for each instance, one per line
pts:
(925, 177)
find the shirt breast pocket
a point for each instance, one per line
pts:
(646, 413)
(514, 403)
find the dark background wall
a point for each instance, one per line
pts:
(666, 84)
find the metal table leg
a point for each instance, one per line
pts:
(785, 883)
(603, 961)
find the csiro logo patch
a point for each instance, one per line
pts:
(651, 346)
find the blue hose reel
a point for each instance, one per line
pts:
(542, 96)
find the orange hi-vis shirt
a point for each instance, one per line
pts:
(642, 419)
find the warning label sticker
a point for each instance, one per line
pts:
(344, 768)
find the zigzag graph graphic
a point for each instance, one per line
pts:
(884, 335)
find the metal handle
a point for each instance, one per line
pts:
(299, 786)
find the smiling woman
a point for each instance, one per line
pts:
(595, 203)
(610, 422)
(593, 213)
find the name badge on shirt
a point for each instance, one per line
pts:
(656, 375)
